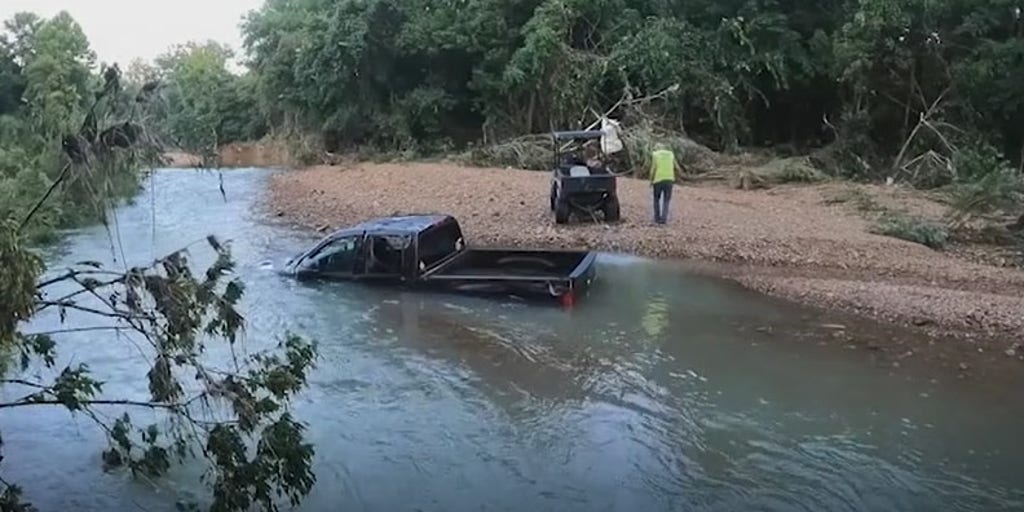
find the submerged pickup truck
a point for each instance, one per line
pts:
(428, 251)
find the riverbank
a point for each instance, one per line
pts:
(794, 242)
(238, 154)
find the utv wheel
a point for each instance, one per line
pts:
(554, 195)
(561, 212)
(611, 210)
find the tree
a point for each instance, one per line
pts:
(176, 315)
(21, 32)
(57, 73)
(207, 105)
(76, 135)
(12, 84)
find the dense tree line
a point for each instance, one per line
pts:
(748, 72)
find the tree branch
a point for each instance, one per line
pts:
(24, 383)
(124, 315)
(177, 407)
(39, 203)
(79, 329)
(71, 274)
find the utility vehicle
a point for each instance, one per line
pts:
(580, 188)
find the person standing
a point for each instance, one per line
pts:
(663, 178)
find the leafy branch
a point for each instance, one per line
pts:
(254, 455)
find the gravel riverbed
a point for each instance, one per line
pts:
(788, 241)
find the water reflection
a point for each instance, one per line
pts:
(655, 320)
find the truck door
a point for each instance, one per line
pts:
(438, 243)
(385, 257)
(339, 259)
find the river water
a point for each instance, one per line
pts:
(660, 391)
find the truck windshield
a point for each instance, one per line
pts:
(438, 242)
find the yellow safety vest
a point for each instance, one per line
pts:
(664, 166)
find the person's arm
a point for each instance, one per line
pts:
(652, 169)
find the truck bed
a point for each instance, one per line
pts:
(514, 271)
(511, 264)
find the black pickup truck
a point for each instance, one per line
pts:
(428, 251)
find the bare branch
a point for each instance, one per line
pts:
(72, 273)
(123, 315)
(39, 203)
(22, 382)
(78, 329)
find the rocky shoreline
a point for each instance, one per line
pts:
(789, 241)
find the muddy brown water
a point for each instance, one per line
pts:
(661, 390)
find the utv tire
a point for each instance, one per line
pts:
(561, 211)
(554, 195)
(611, 210)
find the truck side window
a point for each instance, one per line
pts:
(385, 255)
(439, 242)
(339, 256)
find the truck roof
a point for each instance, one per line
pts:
(398, 225)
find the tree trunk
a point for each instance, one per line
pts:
(530, 111)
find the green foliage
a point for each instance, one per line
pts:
(68, 122)
(1000, 190)
(789, 170)
(913, 229)
(859, 199)
(205, 104)
(429, 71)
(179, 313)
(984, 184)
(58, 74)
(17, 281)
(527, 152)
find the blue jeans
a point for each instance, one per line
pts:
(662, 196)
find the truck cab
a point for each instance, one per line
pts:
(429, 251)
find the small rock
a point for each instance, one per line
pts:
(963, 367)
(920, 322)
(1010, 352)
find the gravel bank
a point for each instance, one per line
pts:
(790, 241)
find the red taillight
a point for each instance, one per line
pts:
(568, 299)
